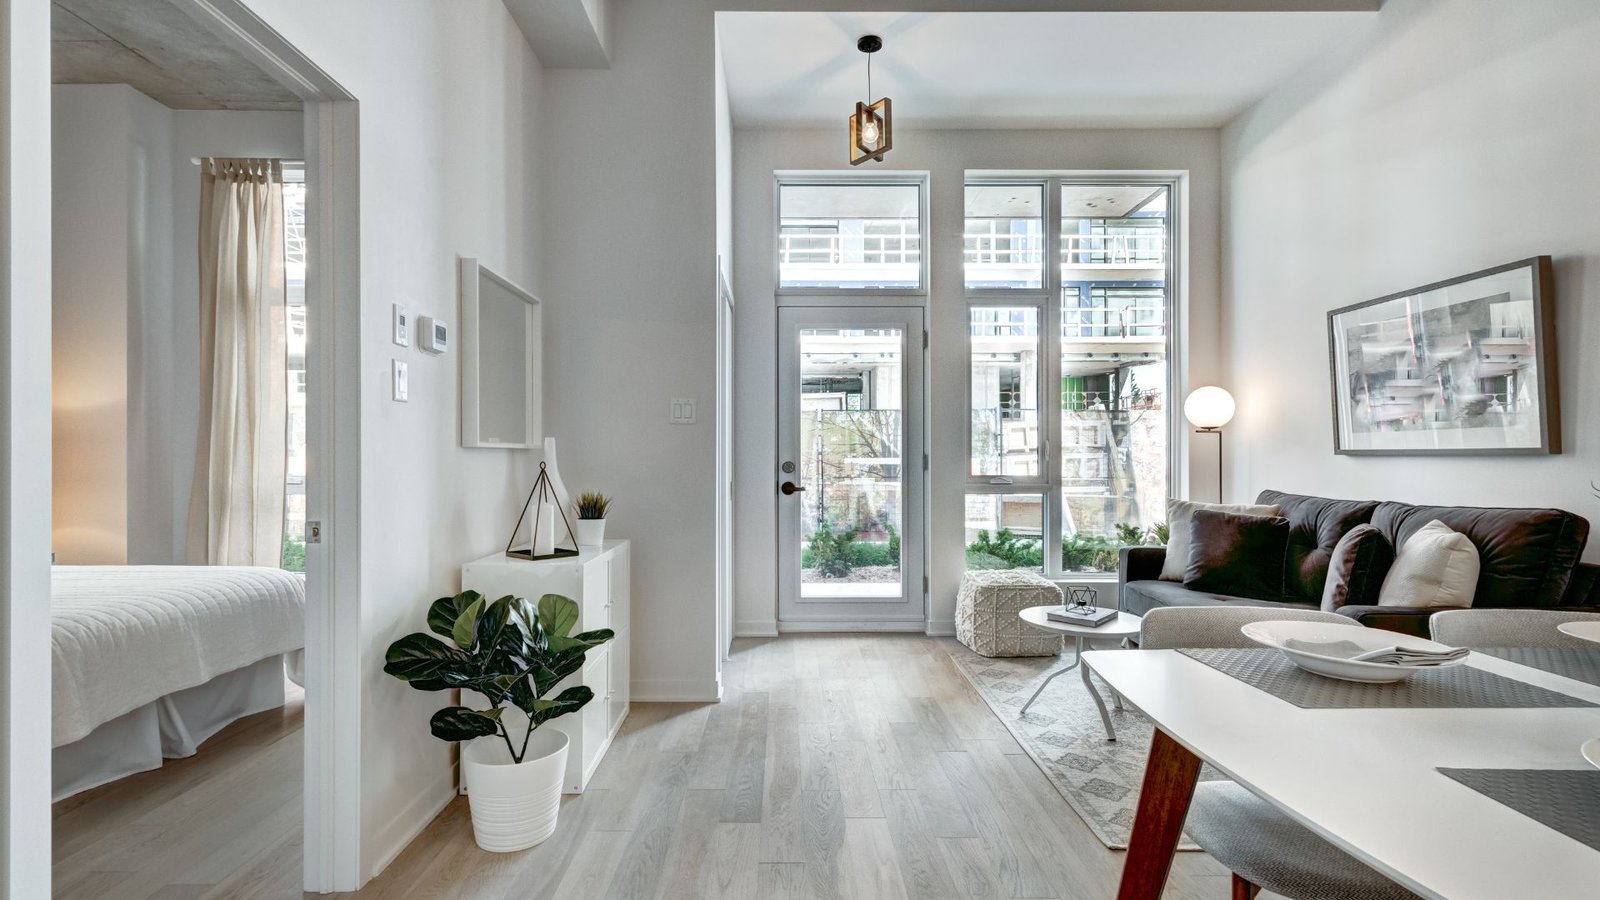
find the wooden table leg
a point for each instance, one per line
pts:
(1169, 779)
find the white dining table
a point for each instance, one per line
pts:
(1364, 779)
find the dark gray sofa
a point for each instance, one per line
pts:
(1528, 558)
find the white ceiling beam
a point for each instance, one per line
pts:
(565, 34)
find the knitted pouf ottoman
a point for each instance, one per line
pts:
(986, 613)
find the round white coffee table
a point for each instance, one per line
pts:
(1125, 625)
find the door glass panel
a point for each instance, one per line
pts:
(1005, 391)
(850, 447)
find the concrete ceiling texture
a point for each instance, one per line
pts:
(160, 51)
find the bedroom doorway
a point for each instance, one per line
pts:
(127, 311)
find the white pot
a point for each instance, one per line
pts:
(591, 532)
(514, 805)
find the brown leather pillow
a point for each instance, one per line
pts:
(1245, 556)
(1357, 568)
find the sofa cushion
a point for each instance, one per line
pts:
(1139, 597)
(1525, 556)
(1437, 567)
(1179, 514)
(1357, 568)
(1315, 525)
(1242, 555)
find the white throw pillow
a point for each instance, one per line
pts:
(1180, 514)
(1435, 567)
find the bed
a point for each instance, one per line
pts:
(149, 661)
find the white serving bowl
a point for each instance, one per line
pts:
(1325, 649)
(1587, 631)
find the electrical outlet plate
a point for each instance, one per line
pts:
(402, 385)
(402, 326)
(681, 412)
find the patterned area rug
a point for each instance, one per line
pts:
(1063, 734)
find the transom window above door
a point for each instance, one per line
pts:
(850, 235)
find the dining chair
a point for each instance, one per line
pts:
(1524, 628)
(1262, 847)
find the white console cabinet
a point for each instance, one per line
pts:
(597, 580)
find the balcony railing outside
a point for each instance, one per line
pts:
(1145, 321)
(1114, 250)
(849, 249)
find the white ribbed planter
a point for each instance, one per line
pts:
(590, 532)
(514, 805)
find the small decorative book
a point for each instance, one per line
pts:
(1090, 616)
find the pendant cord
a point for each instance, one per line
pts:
(869, 77)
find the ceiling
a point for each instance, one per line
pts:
(1019, 69)
(160, 51)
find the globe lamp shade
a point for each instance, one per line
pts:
(1208, 408)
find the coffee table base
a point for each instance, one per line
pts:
(1088, 683)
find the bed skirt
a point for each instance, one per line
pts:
(172, 727)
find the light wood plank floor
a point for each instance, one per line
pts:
(225, 822)
(837, 766)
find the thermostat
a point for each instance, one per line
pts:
(432, 334)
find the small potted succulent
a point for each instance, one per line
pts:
(513, 653)
(592, 507)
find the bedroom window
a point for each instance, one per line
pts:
(1069, 433)
(294, 252)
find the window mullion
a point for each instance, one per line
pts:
(1050, 404)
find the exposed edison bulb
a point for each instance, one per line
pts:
(869, 131)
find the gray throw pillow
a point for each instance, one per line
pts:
(1356, 570)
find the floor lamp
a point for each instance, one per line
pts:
(1208, 409)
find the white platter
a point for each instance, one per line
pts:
(1588, 631)
(1325, 649)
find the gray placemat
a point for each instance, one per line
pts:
(1565, 800)
(1579, 665)
(1459, 687)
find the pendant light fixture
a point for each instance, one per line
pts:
(870, 124)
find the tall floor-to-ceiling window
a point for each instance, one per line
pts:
(1069, 288)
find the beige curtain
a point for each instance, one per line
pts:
(236, 505)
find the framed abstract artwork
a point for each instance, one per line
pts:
(1464, 366)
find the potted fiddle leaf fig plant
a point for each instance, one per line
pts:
(513, 653)
(592, 507)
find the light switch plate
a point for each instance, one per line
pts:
(681, 412)
(402, 381)
(402, 326)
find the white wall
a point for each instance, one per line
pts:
(1455, 136)
(630, 218)
(452, 122)
(946, 155)
(111, 256)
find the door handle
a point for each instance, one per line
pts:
(789, 487)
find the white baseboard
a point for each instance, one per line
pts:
(942, 627)
(755, 628)
(834, 627)
(400, 831)
(675, 690)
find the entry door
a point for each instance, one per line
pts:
(849, 477)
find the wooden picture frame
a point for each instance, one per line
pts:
(1461, 367)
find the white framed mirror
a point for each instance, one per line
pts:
(501, 356)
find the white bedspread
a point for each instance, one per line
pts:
(123, 636)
